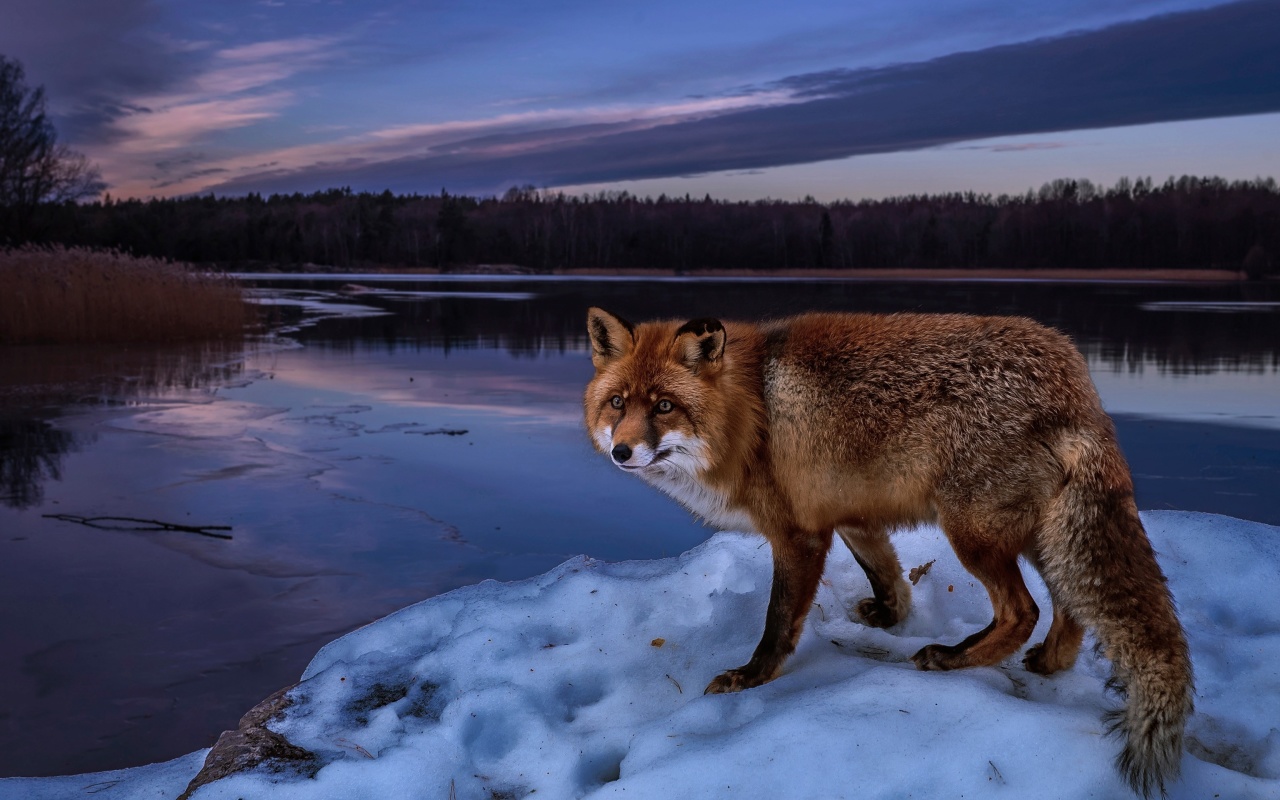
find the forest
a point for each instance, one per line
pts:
(1184, 223)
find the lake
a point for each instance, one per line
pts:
(406, 436)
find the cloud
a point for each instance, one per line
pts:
(304, 47)
(148, 144)
(112, 78)
(92, 58)
(229, 93)
(508, 135)
(1218, 62)
(175, 123)
(194, 174)
(1013, 147)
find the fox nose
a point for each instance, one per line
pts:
(621, 453)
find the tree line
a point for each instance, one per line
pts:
(1184, 223)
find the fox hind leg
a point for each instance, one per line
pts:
(1015, 613)
(1060, 647)
(891, 594)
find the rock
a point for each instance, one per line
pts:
(252, 745)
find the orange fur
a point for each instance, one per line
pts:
(861, 424)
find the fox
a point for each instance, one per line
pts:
(860, 425)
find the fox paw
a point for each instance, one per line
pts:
(1038, 660)
(937, 657)
(734, 680)
(876, 613)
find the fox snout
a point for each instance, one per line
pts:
(630, 457)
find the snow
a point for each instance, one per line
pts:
(587, 682)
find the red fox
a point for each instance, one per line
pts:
(860, 424)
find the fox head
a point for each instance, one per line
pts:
(652, 403)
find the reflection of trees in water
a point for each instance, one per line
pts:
(56, 375)
(1107, 320)
(31, 452)
(50, 377)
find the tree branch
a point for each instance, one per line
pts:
(150, 525)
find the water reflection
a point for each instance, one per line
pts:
(31, 452)
(39, 383)
(1177, 327)
(54, 376)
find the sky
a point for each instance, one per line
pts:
(740, 101)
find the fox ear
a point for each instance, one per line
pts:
(701, 343)
(611, 336)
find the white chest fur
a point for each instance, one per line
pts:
(674, 467)
(709, 504)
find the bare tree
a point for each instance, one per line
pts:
(34, 166)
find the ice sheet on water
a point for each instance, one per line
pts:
(226, 419)
(409, 296)
(1221, 306)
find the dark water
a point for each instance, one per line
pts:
(422, 436)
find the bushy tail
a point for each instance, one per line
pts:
(1098, 560)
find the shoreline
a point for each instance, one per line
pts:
(1135, 275)
(894, 274)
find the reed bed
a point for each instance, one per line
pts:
(61, 295)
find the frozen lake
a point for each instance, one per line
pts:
(407, 436)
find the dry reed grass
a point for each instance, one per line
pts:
(63, 295)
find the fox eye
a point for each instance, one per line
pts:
(616, 401)
(664, 406)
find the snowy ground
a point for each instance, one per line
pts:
(587, 682)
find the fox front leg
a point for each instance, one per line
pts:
(798, 560)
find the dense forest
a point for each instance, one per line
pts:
(1184, 223)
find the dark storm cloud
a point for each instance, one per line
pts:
(1223, 61)
(91, 56)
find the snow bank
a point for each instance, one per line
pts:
(587, 682)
